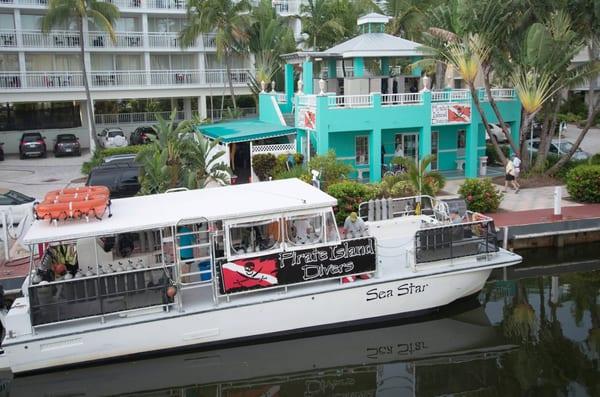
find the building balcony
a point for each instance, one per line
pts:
(96, 40)
(101, 80)
(8, 38)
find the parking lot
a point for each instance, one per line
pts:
(36, 176)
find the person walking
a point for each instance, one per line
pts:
(517, 164)
(510, 176)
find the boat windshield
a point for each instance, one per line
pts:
(305, 229)
(253, 237)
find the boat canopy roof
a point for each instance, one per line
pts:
(167, 209)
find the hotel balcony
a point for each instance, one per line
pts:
(64, 39)
(100, 80)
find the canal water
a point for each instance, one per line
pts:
(533, 331)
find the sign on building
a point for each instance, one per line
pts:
(307, 119)
(450, 113)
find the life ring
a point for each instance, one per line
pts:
(74, 203)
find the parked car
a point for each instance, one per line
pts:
(17, 203)
(112, 137)
(119, 157)
(142, 135)
(498, 133)
(32, 144)
(1, 151)
(121, 178)
(67, 144)
(558, 147)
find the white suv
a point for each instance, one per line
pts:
(112, 137)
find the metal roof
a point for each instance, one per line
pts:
(376, 45)
(161, 210)
(244, 130)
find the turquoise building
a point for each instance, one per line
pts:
(359, 99)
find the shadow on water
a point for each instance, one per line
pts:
(532, 333)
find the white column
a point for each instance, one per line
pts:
(147, 67)
(173, 103)
(202, 111)
(187, 108)
(21, 53)
(201, 66)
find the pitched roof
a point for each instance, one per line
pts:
(376, 45)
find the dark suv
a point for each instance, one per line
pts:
(67, 144)
(32, 144)
(120, 177)
(142, 135)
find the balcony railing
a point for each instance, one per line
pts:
(287, 7)
(41, 3)
(122, 40)
(402, 99)
(210, 41)
(450, 96)
(8, 37)
(122, 78)
(163, 40)
(54, 39)
(350, 101)
(133, 118)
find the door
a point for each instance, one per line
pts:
(435, 135)
(410, 143)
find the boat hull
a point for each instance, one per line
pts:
(364, 301)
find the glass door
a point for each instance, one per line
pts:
(434, 149)
(410, 143)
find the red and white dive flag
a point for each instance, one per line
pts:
(249, 273)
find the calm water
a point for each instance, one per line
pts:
(537, 333)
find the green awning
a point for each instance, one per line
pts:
(243, 130)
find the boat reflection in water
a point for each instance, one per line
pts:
(383, 361)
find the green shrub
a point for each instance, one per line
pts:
(436, 180)
(332, 170)
(349, 195)
(583, 183)
(264, 165)
(595, 159)
(552, 159)
(394, 186)
(480, 195)
(298, 171)
(492, 156)
(100, 154)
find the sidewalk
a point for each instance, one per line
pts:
(526, 199)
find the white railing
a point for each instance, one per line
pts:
(165, 4)
(210, 41)
(281, 148)
(10, 80)
(126, 3)
(281, 97)
(132, 118)
(122, 78)
(350, 101)
(8, 37)
(164, 40)
(122, 40)
(307, 101)
(55, 80)
(287, 7)
(340, 71)
(42, 3)
(53, 39)
(503, 93)
(402, 99)
(450, 96)
(117, 78)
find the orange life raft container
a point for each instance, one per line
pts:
(74, 203)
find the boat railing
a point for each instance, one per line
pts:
(474, 235)
(99, 295)
(389, 208)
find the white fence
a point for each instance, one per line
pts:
(281, 97)
(53, 39)
(402, 99)
(280, 148)
(122, 40)
(8, 38)
(307, 101)
(350, 101)
(131, 118)
(450, 96)
(56, 80)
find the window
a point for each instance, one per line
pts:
(6, 21)
(331, 230)
(362, 150)
(254, 237)
(304, 230)
(9, 62)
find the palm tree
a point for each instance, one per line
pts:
(179, 157)
(321, 24)
(102, 14)
(228, 19)
(423, 182)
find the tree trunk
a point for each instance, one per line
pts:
(91, 118)
(592, 85)
(484, 120)
(488, 91)
(440, 75)
(228, 69)
(525, 126)
(589, 123)
(546, 136)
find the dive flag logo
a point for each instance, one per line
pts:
(249, 273)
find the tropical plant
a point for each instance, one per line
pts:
(100, 154)
(319, 22)
(101, 14)
(331, 169)
(349, 195)
(180, 157)
(423, 182)
(264, 165)
(480, 195)
(230, 22)
(409, 17)
(583, 183)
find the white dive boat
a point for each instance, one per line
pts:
(204, 267)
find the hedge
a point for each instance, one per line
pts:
(100, 154)
(480, 195)
(583, 183)
(349, 195)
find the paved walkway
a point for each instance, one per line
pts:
(529, 217)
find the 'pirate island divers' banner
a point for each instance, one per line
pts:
(292, 267)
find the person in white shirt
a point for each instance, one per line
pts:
(354, 226)
(517, 164)
(510, 176)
